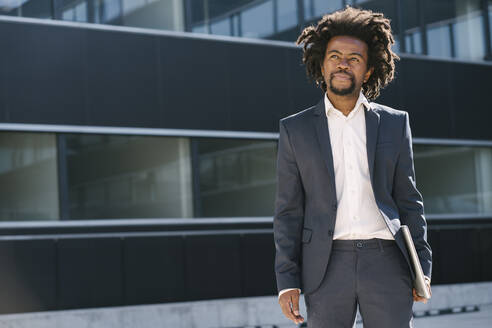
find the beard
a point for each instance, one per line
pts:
(345, 91)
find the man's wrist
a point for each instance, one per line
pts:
(287, 289)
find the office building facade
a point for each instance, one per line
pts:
(138, 141)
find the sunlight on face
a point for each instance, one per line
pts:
(345, 65)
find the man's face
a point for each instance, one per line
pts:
(345, 65)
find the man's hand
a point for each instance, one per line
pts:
(417, 298)
(289, 303)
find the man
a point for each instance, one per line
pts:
(346, 184)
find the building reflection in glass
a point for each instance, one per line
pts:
(28, 176)
(111, 176)
(454, 179)
(236, 177)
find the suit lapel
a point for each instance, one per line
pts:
(324, 142)
(372, 127)
(323, 134)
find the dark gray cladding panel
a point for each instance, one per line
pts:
(301, 92)
(77, 75)
(213, 266)
(89, 272)
(27, 275)
(196, 83)
(154, 269)
(390, 95)
(485, 247)
(58, 272)
(472, 86)
(122, 79)
(43, 70)
(460, 249)
(425, 92)
(258, 276)
(258, 86)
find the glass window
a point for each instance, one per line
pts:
(27, 8)
(490, 19)
(469, 36)
(413, 41)
(108, 10)
(132, 5)
(28, 176)
(411, 29)
(257, 21)
(454, 179)
(417, 42)
(112, 176)
(159, 14)
(323, 7)
(466, 28)
(438, 44)
(396, 46)
(286, 14)
(387, 7)
(199, 29)
(237, 177)
(75, 11)
(216, 9)
(408, 44)
(221, 27)
(308, 9)
(10, 9)
(235, 25)
(316, 8)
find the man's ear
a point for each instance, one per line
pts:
(368, 74)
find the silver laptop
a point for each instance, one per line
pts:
(419, 282)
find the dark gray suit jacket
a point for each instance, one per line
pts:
(306, 202)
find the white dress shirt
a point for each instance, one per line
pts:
(358, 216)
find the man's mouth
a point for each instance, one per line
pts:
(342, 76)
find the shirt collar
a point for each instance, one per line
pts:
(361, 100)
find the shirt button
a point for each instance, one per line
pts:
(330, 232)
(334, 207)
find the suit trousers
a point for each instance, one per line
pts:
(372, 274)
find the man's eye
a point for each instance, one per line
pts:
(334, 56)
(354, 59)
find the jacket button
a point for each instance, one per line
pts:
(330, 232)
(334, 207)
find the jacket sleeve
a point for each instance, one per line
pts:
(289, 215)
(409, 200)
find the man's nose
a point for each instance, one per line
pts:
(343, 63)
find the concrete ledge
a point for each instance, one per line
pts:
(456, 295)
(238, 312)
(228, 313)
